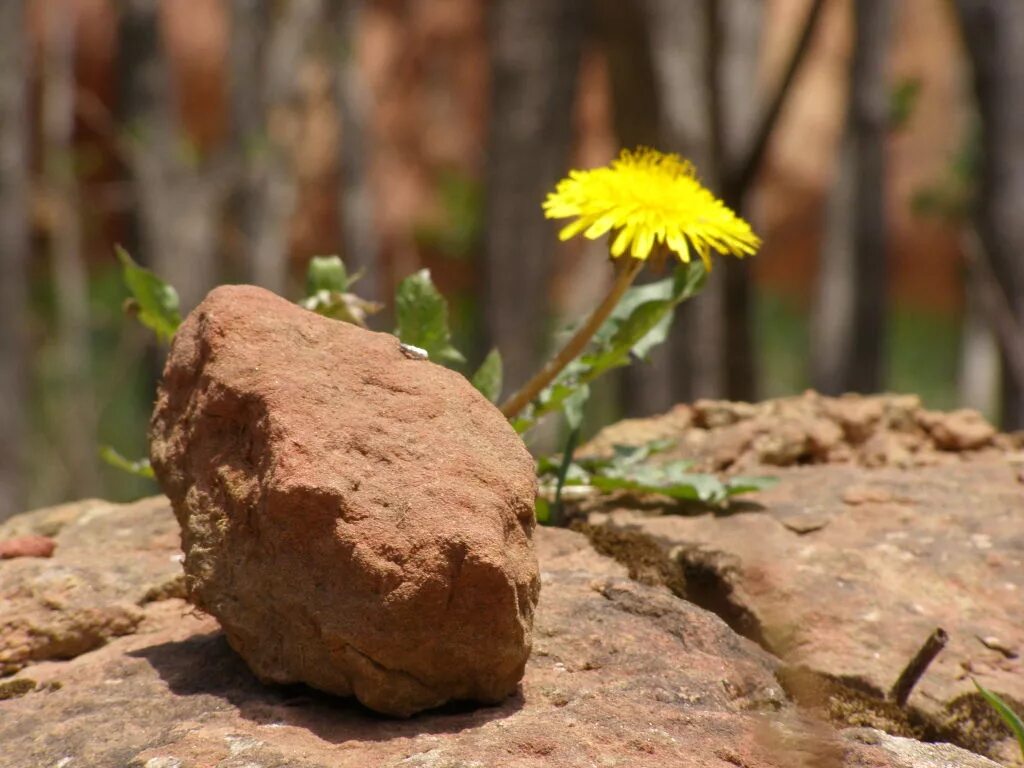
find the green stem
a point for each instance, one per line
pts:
(563, 472)
(627, 274)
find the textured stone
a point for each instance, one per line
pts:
(356, 518)
(875, 431)
(109, 560)
(961, 430)
(27, 546)
(909, 753)
(623, 675)
(845, 569)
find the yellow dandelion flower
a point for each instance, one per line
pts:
(647, 197)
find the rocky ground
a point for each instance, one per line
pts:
(888, 522)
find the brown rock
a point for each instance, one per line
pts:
(961, 430)
(109, 557)
(866, 494)
(357, 519)
(873, 431)
(48, 521)
(623, 675)
(858, 416)
(27, 546)
(904, 551)
(909, 753)
(711, 414)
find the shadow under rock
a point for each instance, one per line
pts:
(205, 665)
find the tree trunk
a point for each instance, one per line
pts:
(359, 233)
(978, 379)
(856, 226)
(14, 254)
(250, 23)
(994, 33)
(646, 387)
(831, 334)
(683, 77)
(681, 50)
(77, 404)
(735, 78)
(179, 200)
(273, 175)
(535, 50)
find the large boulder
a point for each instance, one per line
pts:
(356, 517)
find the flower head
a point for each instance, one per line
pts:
(647, 197)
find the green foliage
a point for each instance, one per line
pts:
(1011, 718)
(489, 376)
(952, 195)
(423, 318)
(627, 469)
(327, 289)
(327, 273)
(154, 301)
(456, 231)
(640, 322)
(903, 101)
(139, 467)
(555, 513)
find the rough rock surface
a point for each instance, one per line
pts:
(356, 518)
(622, 675)
(110, 561)
(845, 568)
(27, 546)
(875, 431)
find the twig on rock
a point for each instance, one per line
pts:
(918, 666)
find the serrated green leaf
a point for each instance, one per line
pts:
(627, 470)
(739, 484)
(346, 307)
(639, 322)
(139, 467)
(423, 318)
(155, 301)
(1011, 718)
(704, 488)
(488, 377)
(555, 515)
(655, 336)
(542, 510)
(574, 406)
(327, 273)
(626, 455)
(546, 465)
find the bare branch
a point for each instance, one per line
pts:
(918, 666)
(996, 305)
(739, 177)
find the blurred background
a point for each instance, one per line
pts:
(877, 146)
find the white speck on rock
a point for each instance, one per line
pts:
(239, 744)
(414, 353)
(163, 762)
(426, 759)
